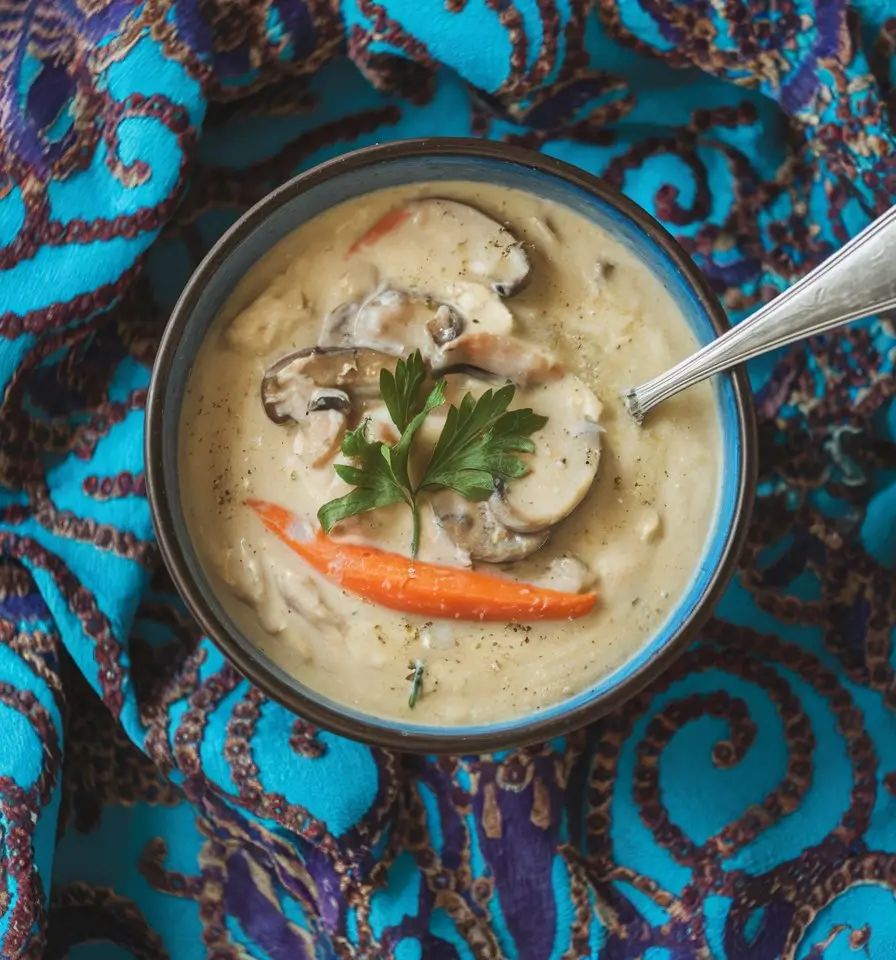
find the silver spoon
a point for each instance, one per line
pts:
(856, 282)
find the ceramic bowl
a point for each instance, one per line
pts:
(393, 164)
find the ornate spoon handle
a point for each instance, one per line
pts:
(858, 281)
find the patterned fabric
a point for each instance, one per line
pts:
(154, 805)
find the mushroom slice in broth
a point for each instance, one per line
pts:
(454, 233)
(444, 326)
(288, 386)
(337, 331)
(320, 436)
(564, 465)
(483, 309)
(393, 322)
(322, 429)
(330, 398)
(474, 528)
(397, 321)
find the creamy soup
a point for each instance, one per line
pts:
(587, 552)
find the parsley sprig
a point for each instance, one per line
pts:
(477, 447)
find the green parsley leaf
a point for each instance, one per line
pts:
(401, 390)
(402, 394)
(401, 452)
(478, 443)
(372, 476)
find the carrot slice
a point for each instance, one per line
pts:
(410, 586)
(386, 224)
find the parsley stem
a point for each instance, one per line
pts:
(415, 539)
(416, 684)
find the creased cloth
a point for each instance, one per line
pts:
(155, 805)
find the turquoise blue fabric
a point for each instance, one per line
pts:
(152, 803)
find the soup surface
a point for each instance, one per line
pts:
(490, 285)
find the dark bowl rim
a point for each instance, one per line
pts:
(331, 718)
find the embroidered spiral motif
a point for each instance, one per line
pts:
(741, 807)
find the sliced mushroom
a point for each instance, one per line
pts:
(391, 321)
(482, 248)
(330, 398)
(444, 326)
(321, 431)
(564, 465)
(339, 326)
(502, 356)
(491, 253)
(473, 527)
(319, 436)
(289, 384)
(483, 309)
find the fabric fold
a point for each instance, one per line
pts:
(150, 797)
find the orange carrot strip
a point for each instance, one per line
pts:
(428, 589)
(386, 224)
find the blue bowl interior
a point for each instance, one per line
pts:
(394, 172)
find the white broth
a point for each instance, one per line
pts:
(486, 277)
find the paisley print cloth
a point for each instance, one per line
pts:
(155, 805)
